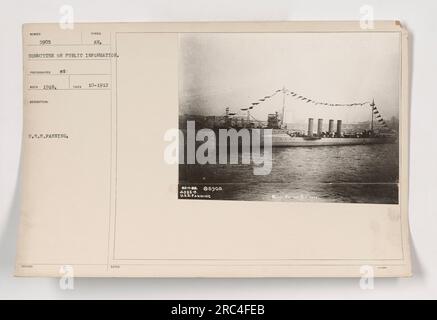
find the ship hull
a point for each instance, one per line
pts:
(288, 141)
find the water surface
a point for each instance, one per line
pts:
(362, 173)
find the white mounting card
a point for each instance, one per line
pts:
(221, 149)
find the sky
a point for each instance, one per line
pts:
(219, 70)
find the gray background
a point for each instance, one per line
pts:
(418, 16)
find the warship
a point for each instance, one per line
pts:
(335, 136)
(282, 136)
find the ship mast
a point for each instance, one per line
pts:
(371, 110)
(283, 107)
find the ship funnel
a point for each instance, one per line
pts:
(310, 127)
(331, 126)
(319, 127)
(338, 128)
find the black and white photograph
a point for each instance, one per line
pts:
(330, 102)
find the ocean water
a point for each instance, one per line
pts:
(352, 174)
